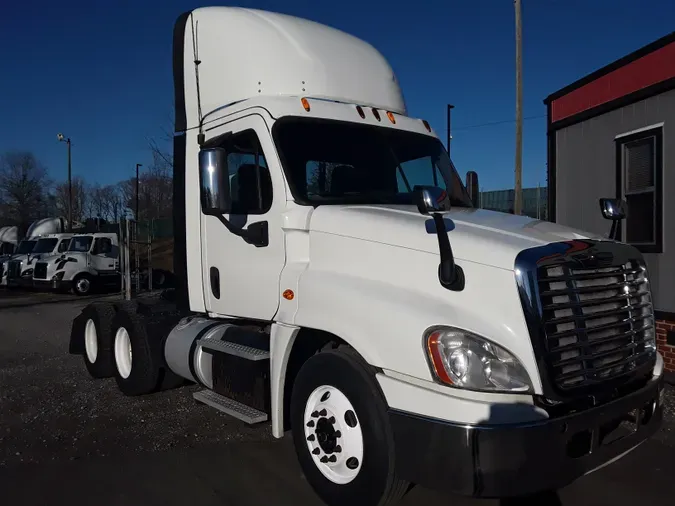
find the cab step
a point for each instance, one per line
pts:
(239, 350)
(231, 407)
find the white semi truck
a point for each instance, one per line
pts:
(344, 287)
(90, 261)
(20, 268)
(25, 247)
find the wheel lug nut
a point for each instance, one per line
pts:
(310, 423)
(316, 451)
(331, 419)
(324, 459)
(311, 437)
(323, 412)
(315, 414)
(338, 433)
(338, 449)
(332, 458)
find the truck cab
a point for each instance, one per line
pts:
(20, 268)
(24, 248)
(90, 260)
(336, 278)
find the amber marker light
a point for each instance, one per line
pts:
(288, 294)
(305, 103)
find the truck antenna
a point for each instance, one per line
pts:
(197, 61)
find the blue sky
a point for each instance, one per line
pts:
(100, 72)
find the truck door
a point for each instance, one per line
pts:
(103, 256)
(241, 279)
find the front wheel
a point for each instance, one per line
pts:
(82, 284)
(341, 431)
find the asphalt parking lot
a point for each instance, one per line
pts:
(69, 439)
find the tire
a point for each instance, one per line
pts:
(98, 340)
(82, 284)
(364, 434)
(137, 370)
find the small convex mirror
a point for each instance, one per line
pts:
(215, 183)
(472, 187)
(431, 199)
(613, 209)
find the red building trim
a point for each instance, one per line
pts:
(644, 72)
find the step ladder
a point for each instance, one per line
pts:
(238, 352)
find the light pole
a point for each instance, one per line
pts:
(138, 165)
(518, 188)
(61, 138)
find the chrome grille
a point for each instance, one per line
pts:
(40, 270)
(598, 322)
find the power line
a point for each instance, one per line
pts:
(480, 125)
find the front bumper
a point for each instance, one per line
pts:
(20, 282)
(45, 284)
(512, 460)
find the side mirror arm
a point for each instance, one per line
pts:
(450, 275)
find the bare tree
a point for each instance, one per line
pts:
(23, 188)
(80, 201)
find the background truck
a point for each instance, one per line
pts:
(20, 267)
(335, 278)
(8, 240)
(25, 247)
(91, 260)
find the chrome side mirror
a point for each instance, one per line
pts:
(431, 199)
(214, 181)
(613, 209)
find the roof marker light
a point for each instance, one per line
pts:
(305, 103)
(390, 115)
(360, 111)
(376, 114)
(426, 125)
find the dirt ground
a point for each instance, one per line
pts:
(69, 439)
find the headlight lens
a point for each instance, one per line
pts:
(465, 360)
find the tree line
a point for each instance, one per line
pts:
(27, 193)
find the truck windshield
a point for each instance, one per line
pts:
(45, 245)
(26, 247)
(81, 244)
(337, 162)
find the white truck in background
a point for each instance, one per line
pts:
(25, 247)
(346, 288)
(20, 267)
(89, 262)
(8, 241)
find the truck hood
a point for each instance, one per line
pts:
(476, 235)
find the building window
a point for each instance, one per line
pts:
(639, 181)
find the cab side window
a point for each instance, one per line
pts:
(63, 245)
(250, 181)
(102, 246)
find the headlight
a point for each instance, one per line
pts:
(27, 273)
(464, 360)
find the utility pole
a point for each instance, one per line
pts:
(450, 108)
(61, 138)
(137, 188)
(518, 193)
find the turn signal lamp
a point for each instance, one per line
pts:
(390, 115)
(305, 103)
